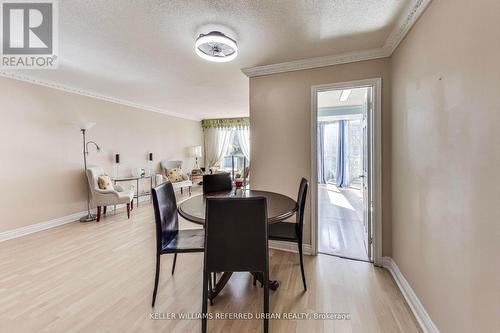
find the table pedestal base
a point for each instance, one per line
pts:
(212, 294)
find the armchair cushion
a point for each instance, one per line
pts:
(104, 182)
(174, 175)
(182, 184)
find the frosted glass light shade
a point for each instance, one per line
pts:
(195, 151)
(85, 125)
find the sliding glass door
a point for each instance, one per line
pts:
(340, 152)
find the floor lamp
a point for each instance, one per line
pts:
(83, 128)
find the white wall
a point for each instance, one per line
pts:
(445, 163)
(41, 166)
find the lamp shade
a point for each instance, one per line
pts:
(195, 151)
(85, 125)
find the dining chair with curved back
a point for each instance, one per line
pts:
(293, 232)
(236, 241)
(217, 182)
(169, 239)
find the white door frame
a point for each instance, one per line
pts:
(375, 142)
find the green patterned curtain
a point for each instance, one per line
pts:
(225, 122)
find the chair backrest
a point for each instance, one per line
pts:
(166, 218)
(301, 202)
(93, 173)
(236, 234)
(171, 164)
(218, 182)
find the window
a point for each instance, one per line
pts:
(234, 154)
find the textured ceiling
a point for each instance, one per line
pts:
(143, 51)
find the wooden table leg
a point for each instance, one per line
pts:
(273, 284)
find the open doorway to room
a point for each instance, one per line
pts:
(343, 168)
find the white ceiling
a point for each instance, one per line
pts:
(143, 51)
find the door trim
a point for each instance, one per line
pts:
(376, 162)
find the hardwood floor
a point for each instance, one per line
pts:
(98, 277)
(340, 217)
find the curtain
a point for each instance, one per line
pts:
(321, 153)
(217, 141)
(355, 149)
(244, 138)
(226, 122)
(342, 179)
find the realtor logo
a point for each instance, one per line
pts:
(29, 34)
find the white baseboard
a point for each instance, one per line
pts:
(290, 247)
(19, 232)
(30, 229)
(416, 307)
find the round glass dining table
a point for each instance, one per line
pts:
(279, 208)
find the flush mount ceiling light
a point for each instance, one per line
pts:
(217, 47)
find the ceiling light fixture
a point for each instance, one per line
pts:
(217, 47)
(344, 95)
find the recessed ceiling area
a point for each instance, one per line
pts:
(142, 52)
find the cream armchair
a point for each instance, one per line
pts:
(185, 182)
(102, 198)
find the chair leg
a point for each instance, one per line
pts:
(157, 278)
(132, 205)
(182, 191)
(189, 190)
(254, 279)
(204, 305)
(128, 210)
(266, 301)
(210, 287)
(173, 265)
(104, 210)
(98, 213)
(213, 282)
(302, 264)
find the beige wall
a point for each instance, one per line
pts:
(41, 166)
(446, 158)
(280, 117)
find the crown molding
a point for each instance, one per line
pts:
(65, 88)
(310, 63)
(408, 17)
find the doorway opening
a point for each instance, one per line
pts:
(344, 168)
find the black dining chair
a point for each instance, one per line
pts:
(212, 183)
(236, 241)
(293, 232)
(169, 239)
(218, 182)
